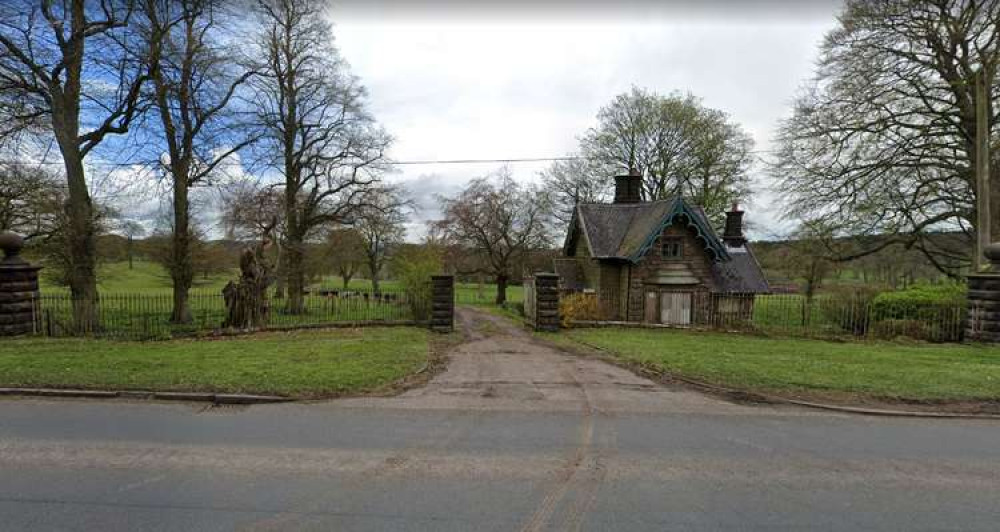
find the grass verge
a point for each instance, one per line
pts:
(808, 369)
(304, 364)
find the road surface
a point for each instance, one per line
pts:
(512, 437)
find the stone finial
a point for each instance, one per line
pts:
(992, 253)
(11, 244)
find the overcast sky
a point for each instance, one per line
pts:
(524, 80)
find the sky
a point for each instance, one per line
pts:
(461, 80)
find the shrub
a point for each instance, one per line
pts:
(849, 308)
(414, 268)
(939, 307)
(578, 307)
(892, 328)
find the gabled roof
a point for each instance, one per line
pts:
(741, 273)
(628, 230)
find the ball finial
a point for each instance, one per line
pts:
(11, 244)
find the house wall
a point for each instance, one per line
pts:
(694, 255)
(610, 290)
(589, 267)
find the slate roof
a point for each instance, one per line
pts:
(626, 231)
(741, 273)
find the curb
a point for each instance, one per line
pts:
(744, 395)
(218, 398)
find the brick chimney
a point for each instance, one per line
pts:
(628, 188)
(733, 233)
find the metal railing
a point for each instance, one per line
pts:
(825, 315)
(148, 316)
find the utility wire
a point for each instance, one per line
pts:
(390, 162)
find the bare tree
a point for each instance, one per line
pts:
(131, 229)
(380, 224)
(251, 212)
(324, 144)
(572, 182)
(67, 71)
(882, 140)
(194, 81)
(501, 220)
(30, 202)
(679, 146)
(345, 253)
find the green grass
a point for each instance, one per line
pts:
(300, 364)
(788, 366)
(144, 277)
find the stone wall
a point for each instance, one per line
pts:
(546, 302)
(443, 303)
(19, 305)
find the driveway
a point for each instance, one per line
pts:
(513, 436)
(503, 368)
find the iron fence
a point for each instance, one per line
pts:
(148, 316)
(826, 315)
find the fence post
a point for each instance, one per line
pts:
(546, 302)
(443, 303)
(19, 304)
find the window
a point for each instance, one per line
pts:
(672, 248)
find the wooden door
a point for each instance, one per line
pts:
(652, 308)
(675, 308)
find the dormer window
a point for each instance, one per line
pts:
(672, 249)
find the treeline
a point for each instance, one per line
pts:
(808, 265)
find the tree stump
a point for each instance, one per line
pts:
(247, 305)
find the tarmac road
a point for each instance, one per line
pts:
(512, 437)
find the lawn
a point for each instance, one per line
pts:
(302, 364)
(801, 367)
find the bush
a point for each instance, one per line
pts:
(414, 268)
(849, 308)
(578, 307)
(939, 308)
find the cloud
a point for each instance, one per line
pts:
(519, 86)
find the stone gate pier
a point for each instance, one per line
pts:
(19, 304)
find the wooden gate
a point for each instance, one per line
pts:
(668, 308)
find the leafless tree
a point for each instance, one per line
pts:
(30, 201)
(881, 141)
(679, 146)
(501, 220)
(345, 253)
(380, 224)
(326, 147)
(572, 182)
(68, 71)
(254, 212)
(132, 230)
(194, 82)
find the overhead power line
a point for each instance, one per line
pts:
(400, 163)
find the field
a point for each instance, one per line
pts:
(301, 364)
(149, 278)
(803, 367)
(135, 304)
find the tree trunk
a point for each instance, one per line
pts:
(374, 270)
(294, 267)
(346, 277)
(181, 268)
(129, 251)
(82, 241)
(501, 289)
(279, 271)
